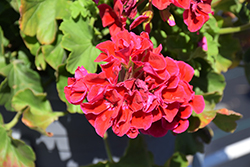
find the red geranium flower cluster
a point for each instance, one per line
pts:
(195, 14)
(138, 89)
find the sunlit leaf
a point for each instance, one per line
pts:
(54, 54)
(78, 36)
(37, 113)
(177, 160)
(86, 8)
(38, 17)
(21, 77)
(226, 120)
(14, 153)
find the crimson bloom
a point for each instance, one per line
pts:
(197, 14)
(113, 17)
(138, 90)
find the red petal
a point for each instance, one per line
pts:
(108, 47)
(107, 15)
(183, 125)
(186, 71)
(96, 93)
(95, 108)
(156, 129)
(80, 72)
(141, 120)
(182, 3)
(103, 122)
(172, 66)
(198, 104)
(161, 4)
(138, 21)
(118, 7)
(171, 95)
(132, 133)
(135, 101)
(185, 112)
(171, 111)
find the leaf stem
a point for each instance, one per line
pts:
(14, 121)
(108, 150)
(230, 30)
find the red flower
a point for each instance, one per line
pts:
(163, 4)
(130, 8)
(113, 18)
(137, 91)
(197, 14)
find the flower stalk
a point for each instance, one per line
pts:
(107, 147)
(230, 30)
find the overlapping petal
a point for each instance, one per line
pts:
(138, 90)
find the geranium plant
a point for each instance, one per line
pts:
(138, 67)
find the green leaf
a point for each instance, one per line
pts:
(62, 80)
(198, 121)
(226, 5)
(14, 153)
(31, 43)
(177, 160)
(189, 143)
(225, 120)
(136, 155)
(86, 8)
(37, 111)
(40, 62)
(1, 119)
(21, 77)
(208, 82)
(15, 4)
(5, 95)
(99, 164)
(54, 54)
(78, 36)
(38, 17)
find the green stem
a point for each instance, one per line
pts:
(230, 30)
(108, 150)
(14, 121)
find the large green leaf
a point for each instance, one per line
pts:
(86, 8)
(62, 81)
(14, 153)
(38, 17)
(177, 160)
(37, 111)
(78, 36)
(54, 54)
(225, 120)
(21, 77)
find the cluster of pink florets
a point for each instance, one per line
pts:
(138, 90)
